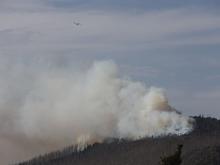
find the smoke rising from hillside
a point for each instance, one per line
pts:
(42, 110)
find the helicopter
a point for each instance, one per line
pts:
(77, 23)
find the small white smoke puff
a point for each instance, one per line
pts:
(59, 110)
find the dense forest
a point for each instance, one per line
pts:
(200, 147)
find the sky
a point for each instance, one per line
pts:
(170, 44)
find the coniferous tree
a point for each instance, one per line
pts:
(174, 159)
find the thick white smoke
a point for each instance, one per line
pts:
(54, 109)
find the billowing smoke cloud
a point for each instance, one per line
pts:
(45, 110)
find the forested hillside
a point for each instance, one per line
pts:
(200, 147)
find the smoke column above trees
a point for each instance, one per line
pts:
(42, 110)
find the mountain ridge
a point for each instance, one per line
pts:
(203, 140)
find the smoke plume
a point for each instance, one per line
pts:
(45, 110)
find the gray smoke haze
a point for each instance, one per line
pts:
(48, 108)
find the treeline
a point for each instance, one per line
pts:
(203, 140)
(55, 157)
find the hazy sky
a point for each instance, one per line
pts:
(170, 44)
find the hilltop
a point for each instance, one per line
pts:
(200, 147)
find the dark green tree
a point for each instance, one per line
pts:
(174, 159)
